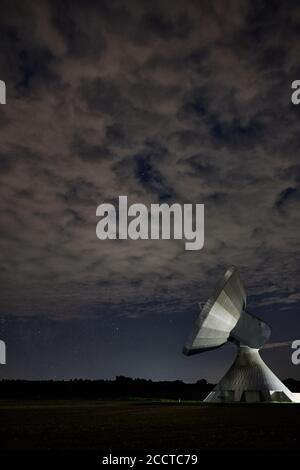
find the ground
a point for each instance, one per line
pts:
(139, 426)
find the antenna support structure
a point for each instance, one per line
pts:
(224, 318)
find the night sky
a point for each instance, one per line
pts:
(162, 101)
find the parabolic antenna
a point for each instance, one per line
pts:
(224, 318)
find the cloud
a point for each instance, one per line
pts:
(173, 101)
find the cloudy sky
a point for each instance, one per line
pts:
(162, 101)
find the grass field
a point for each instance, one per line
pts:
(138, 426)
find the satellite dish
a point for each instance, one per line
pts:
(223, 319)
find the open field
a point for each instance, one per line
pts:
(138, 426)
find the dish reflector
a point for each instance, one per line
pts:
(224, 318)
